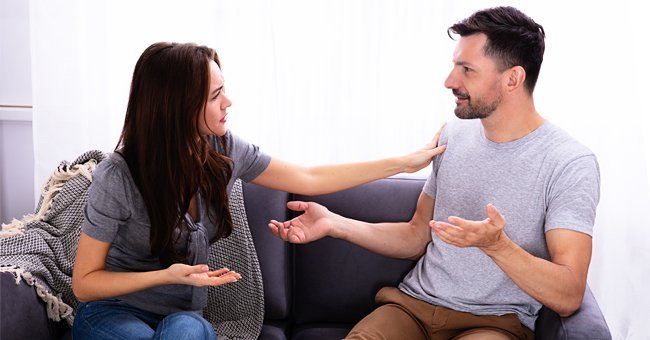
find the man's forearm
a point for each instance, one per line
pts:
(397, 240)
(554, 285)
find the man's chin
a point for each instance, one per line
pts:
(462, 114)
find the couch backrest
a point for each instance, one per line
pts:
(274, 254)
(329, 281)
(336, 281)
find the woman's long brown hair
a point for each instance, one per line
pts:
(168, 158)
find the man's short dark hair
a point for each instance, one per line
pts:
(513, 39)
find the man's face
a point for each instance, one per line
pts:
(475, 79)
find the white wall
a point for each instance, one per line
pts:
(16, 143)
(16, 169)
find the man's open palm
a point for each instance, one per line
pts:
(313, 224)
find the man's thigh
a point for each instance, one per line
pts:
(388, 322)
(467, 326)
(401, 316)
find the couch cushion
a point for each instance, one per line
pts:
(321, 332)
(263, 205)
(335, 281)
(273, 331)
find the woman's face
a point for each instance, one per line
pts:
(213, 120)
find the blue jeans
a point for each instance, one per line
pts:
(114, 319)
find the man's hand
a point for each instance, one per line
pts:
(487, 234)
(316, 222)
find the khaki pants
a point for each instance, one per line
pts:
(401, 316)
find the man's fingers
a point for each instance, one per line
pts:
(495, 216)
(297, 205)
(448, 229)
(279, 229)
(447, 233)
(296, 235)
(461, 223)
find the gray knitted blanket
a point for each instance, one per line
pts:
(40, 250)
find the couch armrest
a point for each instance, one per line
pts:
(587, 323)
(23, 314)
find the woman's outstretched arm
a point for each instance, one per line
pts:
(318, 180)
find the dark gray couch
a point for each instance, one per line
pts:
(315, 291)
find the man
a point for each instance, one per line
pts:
(504, 222)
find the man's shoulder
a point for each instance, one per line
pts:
(560, 145)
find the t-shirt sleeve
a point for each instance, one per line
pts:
(249, 161)
(573, 196)
(107, 206)
(430, 186)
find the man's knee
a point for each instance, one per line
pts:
(484, 334)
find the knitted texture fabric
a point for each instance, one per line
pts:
(236, 310)
(40, 249)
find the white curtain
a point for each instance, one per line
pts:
(333, 80)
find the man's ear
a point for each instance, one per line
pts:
(515, 76)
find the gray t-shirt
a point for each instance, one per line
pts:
(116, 213)
(543, 181)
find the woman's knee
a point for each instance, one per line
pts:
(185, 325)
(109, 319)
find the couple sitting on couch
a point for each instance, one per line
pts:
(501, 227)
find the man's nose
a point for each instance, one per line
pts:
(451, 82)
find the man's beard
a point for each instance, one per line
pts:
(475, 108)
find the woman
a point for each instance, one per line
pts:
(161, 198)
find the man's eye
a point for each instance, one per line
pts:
(466, 69)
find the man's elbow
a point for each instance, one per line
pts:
(416, 256)
(419, 249)
(569, 307)
(565, 313)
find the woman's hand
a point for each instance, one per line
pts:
(421, 158)
(200, 275)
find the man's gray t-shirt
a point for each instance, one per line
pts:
(543, 181)
(116, 213)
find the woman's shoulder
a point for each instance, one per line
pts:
(112, 173)
(235, 145)
(112, 166)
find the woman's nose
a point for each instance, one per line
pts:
(226, 102)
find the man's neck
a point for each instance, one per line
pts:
(511, 122)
